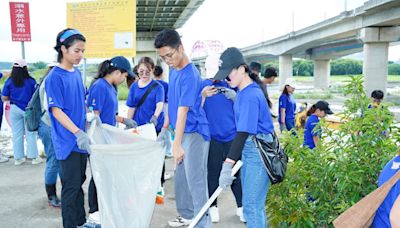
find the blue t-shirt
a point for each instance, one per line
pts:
(185, 91)
(382, 214)
(165, 85)
(146, 110)
(289, 104)
(103, 98)
(65, 90)
(20, 96)
(220, 115)
(252, 114)
(310, 131)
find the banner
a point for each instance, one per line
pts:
(20, 24)
(108, 26)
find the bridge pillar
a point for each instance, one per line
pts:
(376, 47)
(322, 71)
(285, 68)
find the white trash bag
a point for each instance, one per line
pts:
(126, 167)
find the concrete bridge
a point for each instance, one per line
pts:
(370, 28)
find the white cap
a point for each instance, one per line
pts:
(211, 65)
(290, 82)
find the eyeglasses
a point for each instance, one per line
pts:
(142, 72)
(168, 56)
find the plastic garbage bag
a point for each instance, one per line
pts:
(126, 167)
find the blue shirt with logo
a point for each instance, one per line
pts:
(382, 214)
(220, 115)
(144, 113)
(165, 85)
(185, 91)
(65, 90)
(289, 104)
(19, 96)
(310, 131)
(252, 114)
(103, 98)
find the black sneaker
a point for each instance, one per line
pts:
(54, 201)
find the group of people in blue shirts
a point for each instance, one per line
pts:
(214, 122)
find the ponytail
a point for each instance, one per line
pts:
(311, 110)
(255, 78)
(105, 68)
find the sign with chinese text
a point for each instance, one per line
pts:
(20, 25)
(108, 26)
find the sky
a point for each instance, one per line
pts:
(233, 22)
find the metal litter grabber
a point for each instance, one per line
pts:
(203, 210)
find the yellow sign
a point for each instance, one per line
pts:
(108, 26)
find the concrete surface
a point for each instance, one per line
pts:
(23, 201)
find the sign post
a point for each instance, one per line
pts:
(20, 23)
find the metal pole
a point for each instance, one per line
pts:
(23, 49)
(84, 72)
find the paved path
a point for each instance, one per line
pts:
(23, 201)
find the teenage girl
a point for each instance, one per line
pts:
(66, 99)
(311, 133)
(103, 99)
(287, 106)
(253, 119)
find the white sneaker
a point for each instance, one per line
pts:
(19, 161)
(37, 160)
(214, 213)
(3, 159)
(239, 212)
(179, 221)
(94, 217)
(167, 176)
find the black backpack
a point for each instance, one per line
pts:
(33, 112)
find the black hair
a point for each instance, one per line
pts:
(285, 91)
(255, 66)
(312, 110)
(270, 72)
(19, 75)
(158, 71)
(377, 94)
(106, 67)
(67, 42)
(255, 78)
(135, 72)
(167, 37)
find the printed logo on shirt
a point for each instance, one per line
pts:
(94, 102)
(396, 165)
(51, 100)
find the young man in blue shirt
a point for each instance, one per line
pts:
(192, 136)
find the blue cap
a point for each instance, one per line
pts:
(67, 34)
(122, 63)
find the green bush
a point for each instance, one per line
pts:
(323, 182)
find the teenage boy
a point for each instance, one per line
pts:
(192, 136)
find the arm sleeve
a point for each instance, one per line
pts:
(96, 98)
(160, 95)
(131, 97)
(236, 149)
(189, 89)
(316, 131)
(54, 91)
(282, 101)
(6, 88)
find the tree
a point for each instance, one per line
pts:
(394, 69)
(39, 65)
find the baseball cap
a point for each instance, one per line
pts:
(211, 65)
(20, 63)
(229, 60)
(324, 106)
(290, 82)
(255, 66)
(122, 63)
